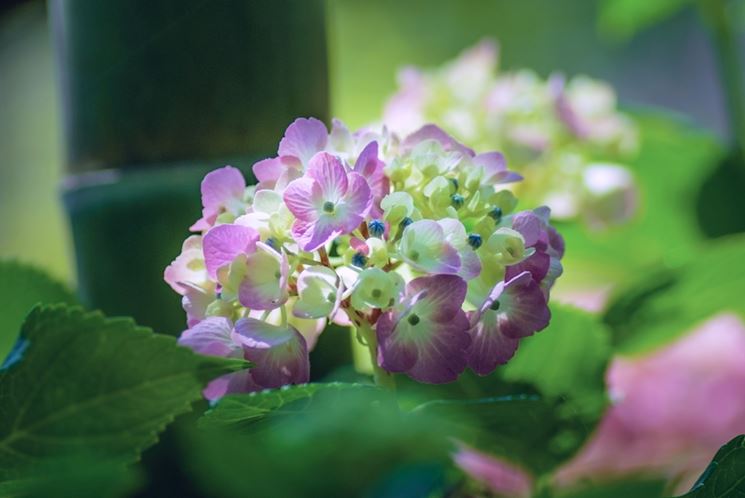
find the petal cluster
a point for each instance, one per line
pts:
(412, 240)
(555, 132)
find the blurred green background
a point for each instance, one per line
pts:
(669, 66)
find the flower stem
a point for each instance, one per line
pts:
(715, 15)
(382, 378)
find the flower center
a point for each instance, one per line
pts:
(494, 306)
(376, 293)
(328, 207)
(331, 297)
(413, 319)
(414, 255)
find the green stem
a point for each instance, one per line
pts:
(382, 378)
(714, 13)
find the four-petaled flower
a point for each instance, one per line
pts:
(327, 202)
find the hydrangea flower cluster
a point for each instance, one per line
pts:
(413, 242)
(565, 137)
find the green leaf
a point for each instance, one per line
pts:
(674, 160)
(339, 440)
(619, 489)
(81, 476)
(622, 19)
(725, 475)
(670, 302)
(567, 359)
(82, 382)
(526, 430)
(21, 287)
(244, 411)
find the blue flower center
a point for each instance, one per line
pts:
(457, 200)
(496, 214)
(474, 240)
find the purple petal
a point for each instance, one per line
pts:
(529, 225)
(495, 168)
(279, 354)
(444, 293)
(222, 185)
(368, 163)
(330, 174)
(537, 264)
(522, 307)
(314, 234)
(489, 346)
(432, 349)
(394, 353)
(433, 132)
(224, 242)
(219, 188)
(299, 196)
(211, 336)
(232, 383)
(443, 357)
(303, 138)
(358, 199)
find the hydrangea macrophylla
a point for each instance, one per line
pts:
(410, 240)
(553, 131)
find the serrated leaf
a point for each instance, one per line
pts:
(725, 475)
(79, 476)
(246, 410)
(21, 287)
(86, 383)
(526, 430)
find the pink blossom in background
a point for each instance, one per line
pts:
(672, 409)
(499, 476)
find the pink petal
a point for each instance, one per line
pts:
(368, 163)
(211, 336)
(303, 138)
(224, 242)
(529, 225)
(220, 186)
(357, 200)
(310, 235)
(498, 475)
(279, 354)
(433, 132)
(330, 174)
(299, 198)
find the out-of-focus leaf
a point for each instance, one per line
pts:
(531, 432)
(725, 475)
(566, 359)
(79, 476)
(619, 489)
(712, 282)
(674, 160)
(79, 382)
(245, 411)
(622, 19)
(348, 442)
(721, 203)
(21, 287)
